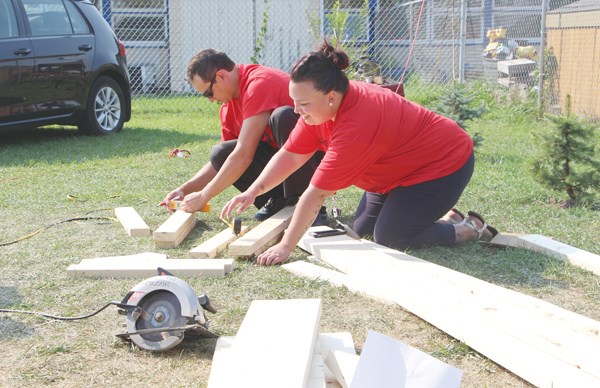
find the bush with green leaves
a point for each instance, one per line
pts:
(567, 161)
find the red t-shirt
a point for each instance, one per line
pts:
(379, 140)
(261, 89)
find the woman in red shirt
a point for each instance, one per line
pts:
(412, 163)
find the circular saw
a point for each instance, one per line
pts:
(161, 310)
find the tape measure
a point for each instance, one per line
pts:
(174, 204)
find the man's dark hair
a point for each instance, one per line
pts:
(207, 62)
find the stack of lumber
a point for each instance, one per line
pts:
(174, 230)
(273, 346)
(146, 264)
(278, 345)
(540, 342)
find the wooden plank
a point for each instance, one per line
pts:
(334, 342)
(274, 345)
(216, 244)
(121, 269)
(132, 222)
(174, 230)
(341, 341)
(316, 272)
(316, 374)
(256, 239)
(154, 260)
(138, 256)
(388, 363)
(342, 365)
(550, 247)
(556, 349)
(222, 364)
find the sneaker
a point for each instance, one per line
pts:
(321, 217)
(274, 205)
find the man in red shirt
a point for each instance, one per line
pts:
(256, 118)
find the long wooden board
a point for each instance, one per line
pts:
(540, 342)
(550, 247)
(255, 240)
(274, 345)
(137, 268)
(133, 223)
(216, 244)
(316, 272)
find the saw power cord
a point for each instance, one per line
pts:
(84, 217)
(54, 224)
(49, 316)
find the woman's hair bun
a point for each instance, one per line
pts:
(338, 57)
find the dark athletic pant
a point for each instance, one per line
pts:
(281, 122)
(406, 216)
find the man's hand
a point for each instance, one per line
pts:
(173, 195)
(193, 202)
(274, 255)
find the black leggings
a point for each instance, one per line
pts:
(406, 216)
(282, 121)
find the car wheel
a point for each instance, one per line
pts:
(104, 112)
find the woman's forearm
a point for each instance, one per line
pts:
(282, 165)
(306, 211)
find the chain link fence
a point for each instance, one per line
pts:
(423, 43)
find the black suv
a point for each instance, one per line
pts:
(61, 63)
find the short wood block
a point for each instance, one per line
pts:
(171, 233)
(132, 222)
(174, 226)
(260, 236)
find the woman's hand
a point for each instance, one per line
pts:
(274, 255)
(240, 201)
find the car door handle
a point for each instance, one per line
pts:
(85, 47)
(22, 51)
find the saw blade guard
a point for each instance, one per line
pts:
(188, 300)
(161, 311)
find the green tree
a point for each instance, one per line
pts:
(567, 161)
(456, 104)
(345, 33)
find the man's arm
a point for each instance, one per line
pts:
(237, 162)
(196, 183)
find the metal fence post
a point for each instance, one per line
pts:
(463, 36)
(541, 57)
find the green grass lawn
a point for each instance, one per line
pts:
(54, 174)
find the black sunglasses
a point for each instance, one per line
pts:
(208, 93)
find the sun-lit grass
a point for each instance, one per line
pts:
(54, 174)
